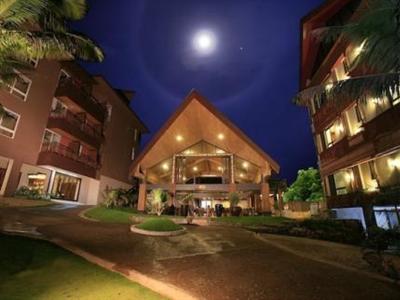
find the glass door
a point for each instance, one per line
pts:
(66, 187)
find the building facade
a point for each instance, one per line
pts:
(357, 140)
(199, 152)
(66, 133)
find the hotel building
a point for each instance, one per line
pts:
(199, 152)
(66, 133)
(358, 141)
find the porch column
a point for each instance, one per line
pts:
(142, 196)
(266, 206)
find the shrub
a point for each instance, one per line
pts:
(119, 198)
(32, 194)
(234, 199)
(380, 239)
(158, 200)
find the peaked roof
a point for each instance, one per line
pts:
(190, 98)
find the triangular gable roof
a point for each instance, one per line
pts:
(190, 98)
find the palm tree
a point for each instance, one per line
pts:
(37, 29)
(378, 31)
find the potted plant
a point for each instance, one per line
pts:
(234, 199)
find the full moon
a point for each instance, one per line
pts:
(204, 42)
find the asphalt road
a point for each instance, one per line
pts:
(208, 262)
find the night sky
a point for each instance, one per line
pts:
(251, 76)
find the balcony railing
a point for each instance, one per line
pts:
(70, 153)
(78, 93)
(76, 121)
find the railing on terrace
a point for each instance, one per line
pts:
(70, 153)
(80, 93)
(77, 122)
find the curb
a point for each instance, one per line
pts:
(324, 261)
(157, 233)
(83, 212)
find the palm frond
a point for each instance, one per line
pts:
(69, 9)
(377, 29)
(20, 12)
(361, 87)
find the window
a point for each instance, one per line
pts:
(354, 120)
(20, 86)
(50, 137)
(341, 182)
(334, 133)
(109, 112)
(8, 123)
(57, 107)
(63, 76)
(368, 176)
(318, 143)
(133, 153)
(373, 107)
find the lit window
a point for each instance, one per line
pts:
(20, 86)
(354, 120)
(334, 133)
(8, 123)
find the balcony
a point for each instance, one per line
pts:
(328, 112)
(379, 135)
(72, 90)
(61, 156)
(335, 151)
(74, 125)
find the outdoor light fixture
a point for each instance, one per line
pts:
(184, 178)
(195, 169)
(219, 151)
(179, 138)
(241, 175)
(394, 163)
(165, 166)
(220, 168)
(359, 49)
(245, 164)
(328, 87)
(221, 136)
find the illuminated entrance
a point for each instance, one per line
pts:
(199, 152)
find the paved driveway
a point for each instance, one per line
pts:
(209, 262)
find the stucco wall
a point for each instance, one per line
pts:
(111, 184)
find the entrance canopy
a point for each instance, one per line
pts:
(198, 144)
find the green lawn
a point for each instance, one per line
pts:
(159, 224)
(31, 269)
(252, 220)
(116, 215)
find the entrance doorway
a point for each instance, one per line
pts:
(65, 187)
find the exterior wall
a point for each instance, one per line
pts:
(111, 183)
(22, 153)
(119, 133)
(89, 191)
(34, 113)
